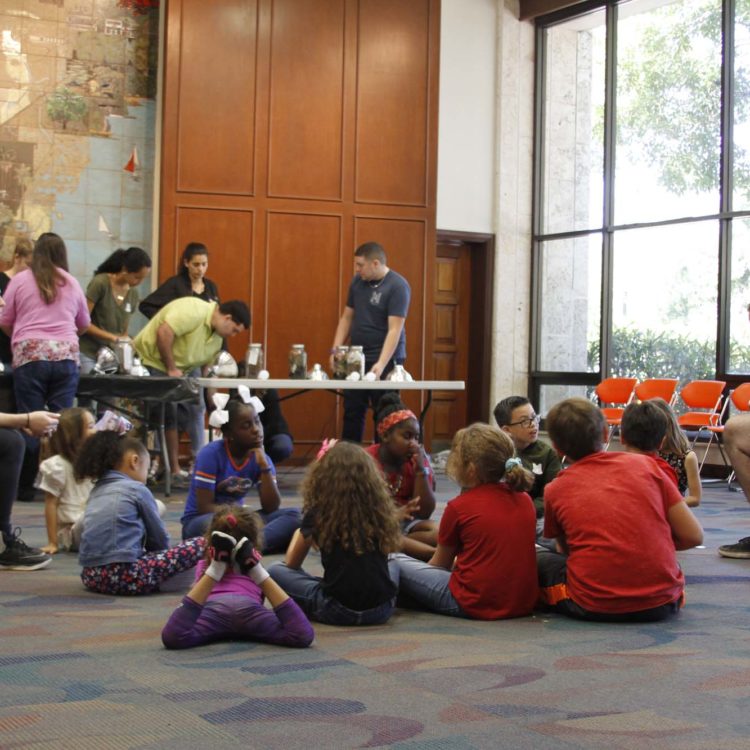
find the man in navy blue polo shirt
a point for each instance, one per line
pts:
(374, 319)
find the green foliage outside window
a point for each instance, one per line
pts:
(648, 354)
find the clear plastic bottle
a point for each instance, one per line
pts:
(355, 361)
(298, 362)
(253, 360)
(339, 362)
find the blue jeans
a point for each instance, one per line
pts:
(278, 447)
(428, 586)
(278, 528)
(45, 385)
(38, 386)
(308, 592)
(192, 419)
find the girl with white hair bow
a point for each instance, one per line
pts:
(226, 469)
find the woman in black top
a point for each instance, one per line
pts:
(191, 281)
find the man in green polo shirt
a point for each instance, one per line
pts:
(185, 334)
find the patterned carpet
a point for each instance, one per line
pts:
(79, 670)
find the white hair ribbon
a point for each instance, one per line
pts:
(254, 401)
(220, 400)
(218, 418)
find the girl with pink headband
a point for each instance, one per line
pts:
(226, 602)
(408, 474)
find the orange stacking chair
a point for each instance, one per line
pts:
(665, 388)
(740, 398)
(703, 399)
(616, 391)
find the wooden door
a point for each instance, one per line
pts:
(450, 346)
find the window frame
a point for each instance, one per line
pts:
(539, 377)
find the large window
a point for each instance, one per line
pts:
(642, 194)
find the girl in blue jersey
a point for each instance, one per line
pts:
(226, 469)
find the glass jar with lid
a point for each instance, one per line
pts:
(253, 360)
(339, 362)
(355, 361)
(298, 362)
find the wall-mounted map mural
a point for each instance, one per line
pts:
(77, 123)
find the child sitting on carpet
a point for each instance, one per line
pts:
(617, 520)
(408, 474)
(675, 450)
(226, 469)
(516, 416)
(485, 563)
(64, 496)
(225, 603)
(124, 545)
(642, 430)
(349, 516)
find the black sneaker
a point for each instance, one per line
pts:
(17, 555)
(739, 550)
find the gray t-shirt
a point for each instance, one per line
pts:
(373, 303)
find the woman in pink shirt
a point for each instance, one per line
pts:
(45, 311)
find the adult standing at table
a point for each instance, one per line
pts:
(191, 281)
(45, 311)
(17, 555)
(373, 318)
(184, 335)
(21, 259)
(112, 297)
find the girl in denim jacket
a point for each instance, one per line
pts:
(124, 545)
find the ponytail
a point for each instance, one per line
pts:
(103, 452)
(516, 477)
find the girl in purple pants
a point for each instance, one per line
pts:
(226, 603)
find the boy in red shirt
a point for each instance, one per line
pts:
(618, 521)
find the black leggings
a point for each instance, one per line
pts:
(12, 447)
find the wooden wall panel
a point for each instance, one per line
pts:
(216, 105)
(392, 102)
(228, 236)
(292, 132)
(302, 251)
(307, 99)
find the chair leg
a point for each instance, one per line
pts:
(705, 453)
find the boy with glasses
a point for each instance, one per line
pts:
(516, 416)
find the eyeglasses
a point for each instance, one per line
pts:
(526, 423)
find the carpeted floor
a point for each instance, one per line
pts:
(79, 670)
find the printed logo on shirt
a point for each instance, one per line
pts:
(375, 298)
(536, 469)
(128, 307)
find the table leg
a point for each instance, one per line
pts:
(164, 452)
(423, 414)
